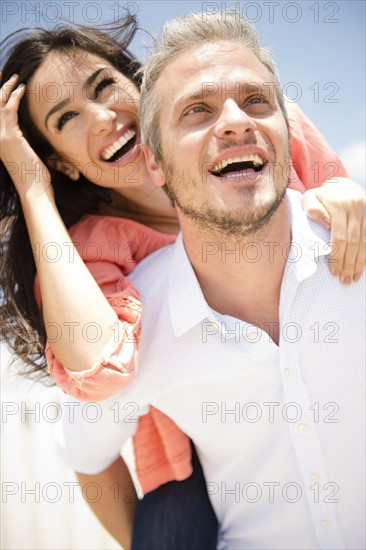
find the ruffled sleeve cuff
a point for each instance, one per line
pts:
(116, 367)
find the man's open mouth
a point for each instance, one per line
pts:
(121, 146)
(236, 165)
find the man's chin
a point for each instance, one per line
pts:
(247, 218)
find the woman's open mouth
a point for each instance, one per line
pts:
(121, 146)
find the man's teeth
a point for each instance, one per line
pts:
(112, 149)
(255, 159)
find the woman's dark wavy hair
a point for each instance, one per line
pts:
(21, 323)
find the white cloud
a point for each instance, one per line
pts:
(354, 160)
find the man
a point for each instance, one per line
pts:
(248, 343)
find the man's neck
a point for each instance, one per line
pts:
(242, 277)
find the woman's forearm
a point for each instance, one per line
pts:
(71, 298)
(118, 500)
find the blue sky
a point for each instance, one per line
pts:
(319, 47)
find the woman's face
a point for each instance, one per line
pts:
(87, 110)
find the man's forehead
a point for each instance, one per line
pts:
(213, 63)
(207, 58)
(212, 54)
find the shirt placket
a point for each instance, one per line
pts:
(303, 430)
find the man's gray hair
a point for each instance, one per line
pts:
(183, 33)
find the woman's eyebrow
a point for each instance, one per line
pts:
(54, 109)
(89, 81)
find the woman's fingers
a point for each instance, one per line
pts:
(15, 97)
(7, 89)
(314, 208)
(338, 241)
(344, 203)
(354, 254)
(33, 178)
(10, 97)
(361, 256)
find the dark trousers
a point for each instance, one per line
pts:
(177, 516)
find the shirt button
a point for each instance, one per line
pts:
(325, 523)
(315, 477)
(287, 373)
(302, 428)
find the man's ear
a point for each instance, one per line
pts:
(63, 166)
(155, 171)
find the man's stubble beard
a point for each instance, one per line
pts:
(214, 222)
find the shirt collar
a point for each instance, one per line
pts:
(308, 244)
(187, 304)
(309, 240)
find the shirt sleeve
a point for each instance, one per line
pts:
(90, 436)
(110, 248)
(313, 160)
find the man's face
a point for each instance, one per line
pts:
(224, 138)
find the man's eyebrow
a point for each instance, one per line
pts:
(89, 81)
(194, 96)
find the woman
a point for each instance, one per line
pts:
(78, 116)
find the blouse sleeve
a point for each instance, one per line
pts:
(313, 159)
(110, 248)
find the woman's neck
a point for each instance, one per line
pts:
(146, 204)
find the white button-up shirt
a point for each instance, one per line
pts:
(279, 430)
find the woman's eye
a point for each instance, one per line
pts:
(103, 84)
(63, 119)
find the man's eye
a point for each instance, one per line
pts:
(63, 119)
(197, 109)
(257, 99)
(109, 81)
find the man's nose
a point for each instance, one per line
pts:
(233, 121)
(101, 118)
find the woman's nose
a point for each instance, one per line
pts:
(101, 118)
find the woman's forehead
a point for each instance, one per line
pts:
(72, 68)
(73, 61)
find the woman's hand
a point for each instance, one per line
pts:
(28, 172)
(340, 205)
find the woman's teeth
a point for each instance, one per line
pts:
(118, 144)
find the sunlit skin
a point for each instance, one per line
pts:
(218, 101)
(82, 105)
(240, 117)
(193, 139)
